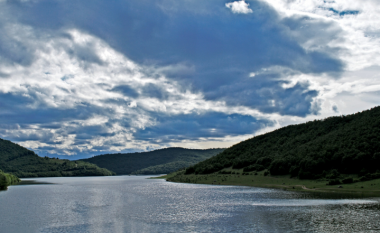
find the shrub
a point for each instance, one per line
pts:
(265, 161)
(224, 172)
(334, 182)
(240, 164)
(348, 180)
(7, 179)
(190, 170)
(363, 172)
(305, 174)
(294, 170)
(254, 167)
(279, 167)
(333, 174)
(369, 176)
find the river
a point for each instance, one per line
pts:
(138, 204)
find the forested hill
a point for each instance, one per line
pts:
(153, 162)
(318, 149)
(22, 162)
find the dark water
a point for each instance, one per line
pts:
(137, 204)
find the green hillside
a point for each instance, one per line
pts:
(152, 162)
(22, 162)
(336, 149)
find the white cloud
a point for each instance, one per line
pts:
(358, 21)
(239, 7)
(61, 79)
(349, 31)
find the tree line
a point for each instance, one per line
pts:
(318, 149)
(160, 161)
(21, 162)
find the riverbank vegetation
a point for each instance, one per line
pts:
(161, 161)
(21, 162)
(229, 176)
(7, 179)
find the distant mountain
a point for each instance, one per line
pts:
(22, 162)
(318, 149)
(153, 162)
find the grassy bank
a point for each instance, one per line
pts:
(7, 179)
(366, 188)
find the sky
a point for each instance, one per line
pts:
(90, 77)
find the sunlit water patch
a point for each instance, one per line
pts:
(137, 204)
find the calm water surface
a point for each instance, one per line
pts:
(137, 204)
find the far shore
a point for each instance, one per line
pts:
(32, 182)
(359, 189)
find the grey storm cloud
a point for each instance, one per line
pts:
(14, 51)
(269, 96)
(14, 110)
(155, 91)
(126, 90)
(193, 126)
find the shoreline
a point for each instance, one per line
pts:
(362, 189)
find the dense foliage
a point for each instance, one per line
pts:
(153, 162)
(317, 149)
(7, 179)
(22, 162)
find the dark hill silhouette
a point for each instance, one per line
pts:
(161, 161)
(19, 161)
(318, 149)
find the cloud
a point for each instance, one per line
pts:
(195, 126)
(68, 104)
(126, 90)
(207, 51)
(359, 28)
(239, 7)
(353, 36)
(89, 77)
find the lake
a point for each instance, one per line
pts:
(138, 204)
